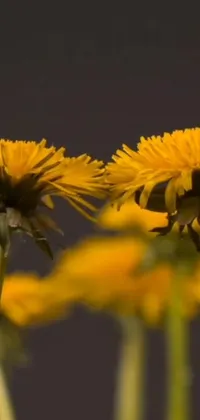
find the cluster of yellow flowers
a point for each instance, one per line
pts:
(153, 190)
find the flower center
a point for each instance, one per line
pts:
(23, 195)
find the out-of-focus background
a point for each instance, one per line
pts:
(90, 77)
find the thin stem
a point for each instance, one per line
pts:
(6, 410)
(178, 368)
(3, 263)
(129, 398)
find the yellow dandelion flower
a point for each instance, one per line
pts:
(104, 271)
(28, 300)
(162, 175)
(31, 173)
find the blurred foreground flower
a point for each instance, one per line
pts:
(162, 175)
(128, 216)
(139, 280)
(28, 300)
(131, 216)
(30, 174)
(104, 271)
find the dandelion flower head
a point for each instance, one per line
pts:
(162, 175)
(31, 173)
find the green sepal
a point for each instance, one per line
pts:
(40, 239)
(43, 244)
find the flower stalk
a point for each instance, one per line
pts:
(178, 368)
(129, 400)
(3, 264)
(6, 410)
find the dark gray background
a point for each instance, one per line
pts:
(91, 77)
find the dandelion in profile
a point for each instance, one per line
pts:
(30, 174)
(162, 175)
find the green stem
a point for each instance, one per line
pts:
(6, 410)
(129, 398)
(178, 369)
(3, 264)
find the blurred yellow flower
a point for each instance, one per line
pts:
(31, 173)
(128, 215)
(28, 300)
(101, 269)
(131, 215)
(162, 175)
(103, 272)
